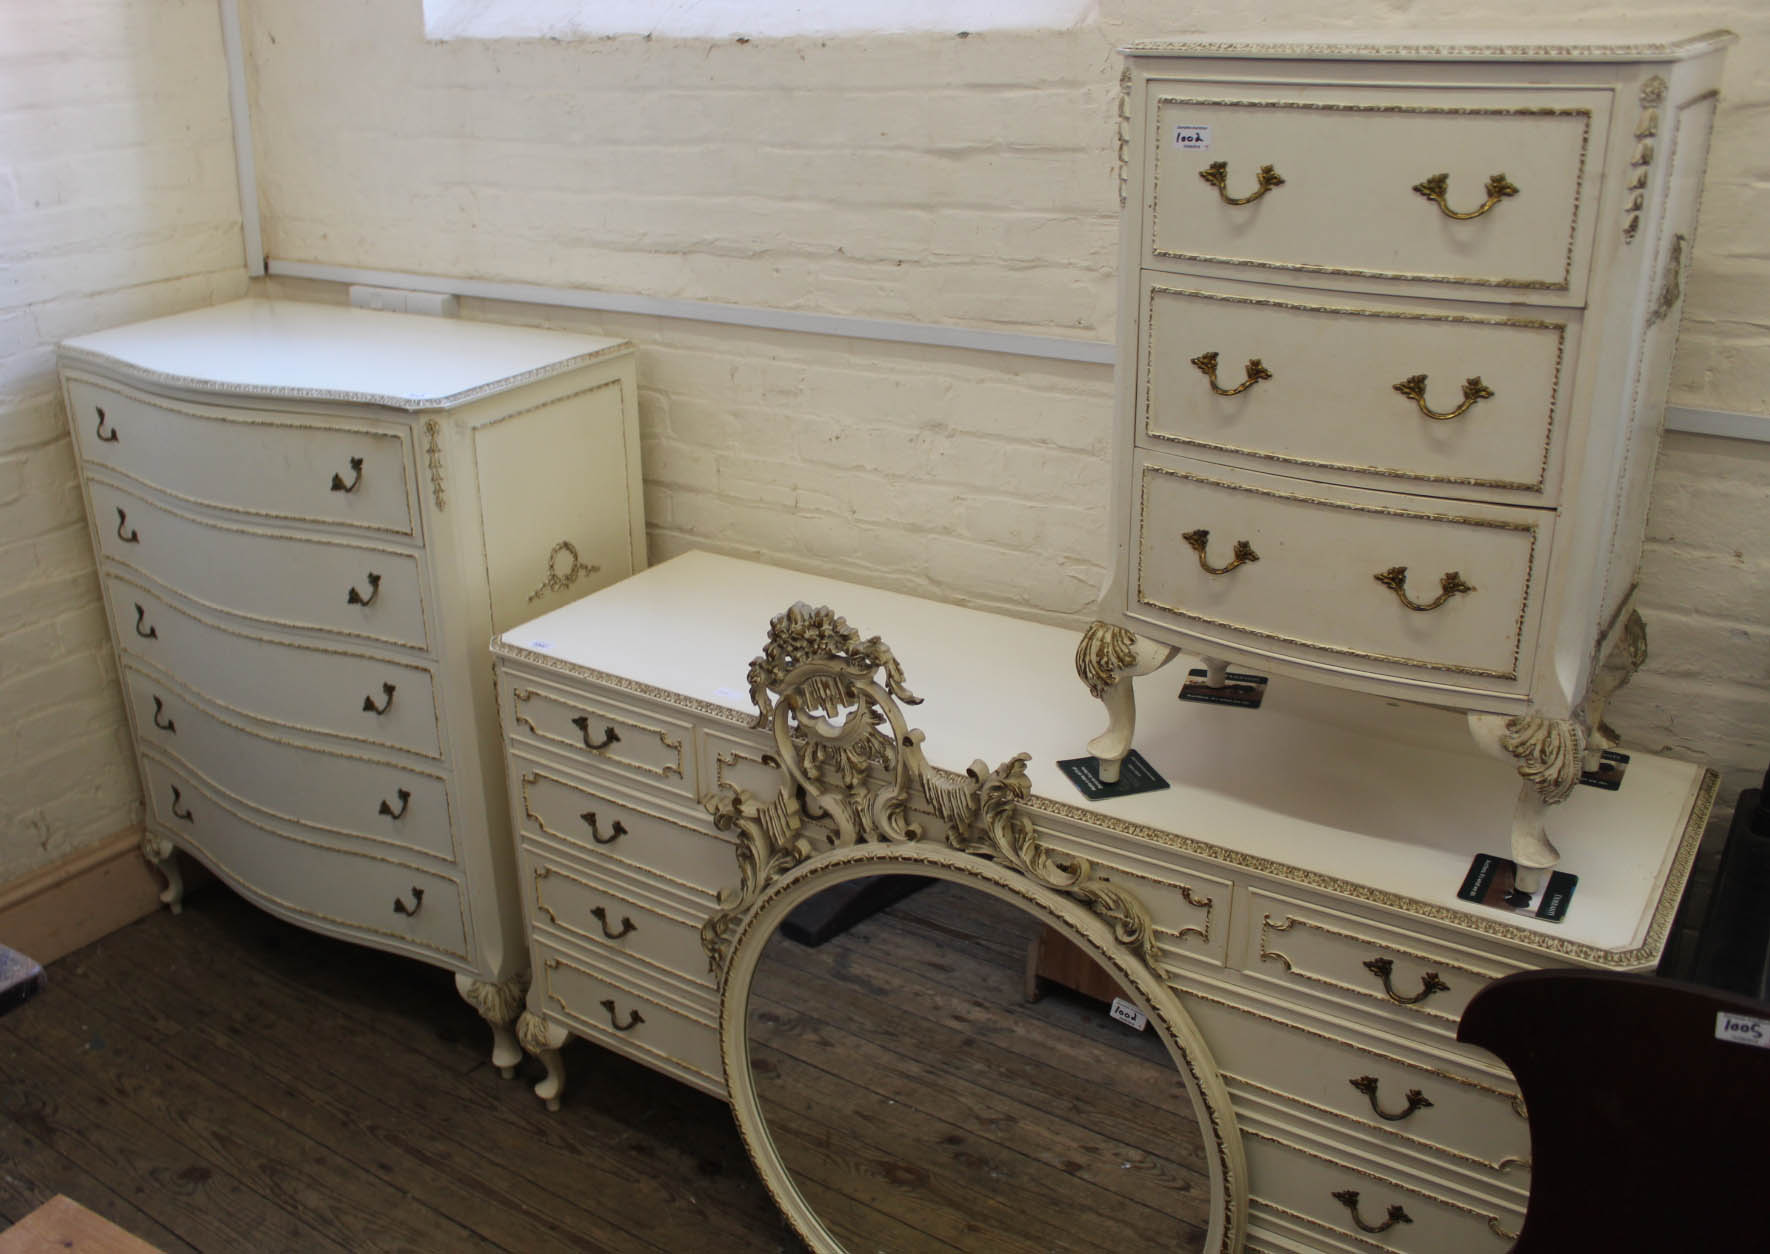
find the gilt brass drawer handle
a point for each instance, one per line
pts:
(356, 598)
(614, 833)
(109, 437)
(1207, 366)
(405, 799)
(1414, 388)
(1384, 969)
(370, 707)
(1436, 188)
(627, 925)
(152, 633)
(1449, 585)
(1197, 540)
(634, 1018)
(338, 484)
(159, 713)
(411, 911)
(1349, 1199)
(1416, 1100)
(134, 537)
(609, 734)
(1217, 175)
(177, 799)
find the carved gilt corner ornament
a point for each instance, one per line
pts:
(433, 458)
(855, 773)
(1653, 95)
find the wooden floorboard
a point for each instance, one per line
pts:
(221, 1081)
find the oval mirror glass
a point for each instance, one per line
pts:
(937, 1067)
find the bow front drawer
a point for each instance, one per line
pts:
(271, 465)
(1435, 591)
(285, 580)
(1485, 189)
(1447, 396)
(593, 733)
(645, 839)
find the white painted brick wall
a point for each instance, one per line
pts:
(948, 181)
(117, 202)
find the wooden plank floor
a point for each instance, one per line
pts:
(222, 1081)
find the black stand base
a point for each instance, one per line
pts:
(1135, 776)
(834, 910)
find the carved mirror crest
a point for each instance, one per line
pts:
(859, 799)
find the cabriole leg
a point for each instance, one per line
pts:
(163, 857)
(544, 1040)
(1549, 754)
(498, 1005)
(1107, 659)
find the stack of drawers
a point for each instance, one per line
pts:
(1396, 326)
(308, 520)
(1325, 962)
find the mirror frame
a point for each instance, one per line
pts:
(1204, 1085)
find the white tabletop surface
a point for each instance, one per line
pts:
(1383, 794)
(333, 352)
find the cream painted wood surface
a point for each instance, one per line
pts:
(1296, 845)
(309, 521)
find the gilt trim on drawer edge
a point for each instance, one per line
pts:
(553, 962)
(1493, 1221)
(163, 834)
(453, 857)
(1494, 523)
(1652, 96)
(1510, 1162)
(345, 427)
(548, 870)
(1328, 106)
(1641, 955)
(409, 556)
(530, 777)
(435, 717)
(1112, 870)
(1289, 51)
(529, 657)
(1559, 327)
(407, 404)
(527, 694)
(1421, 1007)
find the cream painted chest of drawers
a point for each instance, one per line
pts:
(1304, 920)
(308, 521)
(1395, 331)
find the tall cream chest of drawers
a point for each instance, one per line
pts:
(1305, 919)
(308, 522)
(1396, 324)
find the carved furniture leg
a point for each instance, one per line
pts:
(544, 1040)
(1549, 754)
(1216, 671)
(498, 1005)
(1107, 659)
(163, 857)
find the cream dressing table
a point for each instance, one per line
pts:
(308, 520)
(1307, 954)
(1395, 329)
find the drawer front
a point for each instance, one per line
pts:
(336, 692)
(354, 590)
(748, 764)
(1417, 981)
(396, 904)
(1190, 910)
(1446, 397)
(271, 465)
(1438, 1107)
(596, 733)
(636, 1023)
(346, 794)
(1350, 1207)
(583, 906)
(1407, 582)
(1349, 162)
(675, 851)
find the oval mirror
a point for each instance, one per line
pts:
(921, 1056)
